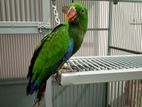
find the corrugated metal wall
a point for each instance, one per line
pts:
(21, 10)
(97, 29)
(126, 94)
(126, 26)
(89, 95)
(16, 49)
(126, 33)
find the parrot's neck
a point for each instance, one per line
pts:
(77, 34)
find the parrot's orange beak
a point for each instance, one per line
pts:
(71, 15)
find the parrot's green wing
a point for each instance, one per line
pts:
(36, 52)
(48, 56)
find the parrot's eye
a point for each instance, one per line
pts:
(82, 11)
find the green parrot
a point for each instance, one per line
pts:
(56, 48)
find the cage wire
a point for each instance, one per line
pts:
(124, 28)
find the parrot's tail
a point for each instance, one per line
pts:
(31, 88)
(40, 95)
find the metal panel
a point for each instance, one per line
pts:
(126, 34)
(15, 54)
(126, 26)
(21, 10)
(126, 93)
(23, 27)
(95, 43)
(90, 95)
(17, 12)
(98, 13)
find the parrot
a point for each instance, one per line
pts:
(55, 49)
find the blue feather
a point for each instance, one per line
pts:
(31, 88)
(69, 52)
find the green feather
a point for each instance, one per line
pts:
(52, 49)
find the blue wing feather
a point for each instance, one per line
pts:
(69, 52)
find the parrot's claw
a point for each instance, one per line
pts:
(65, 69)
(36, 104)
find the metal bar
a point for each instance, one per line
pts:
(114, 56)
(109, 50)
(96, 29)
(110, 27)
(138, 24)
(22, 24)
(93, 29)
(125, 50)
(22, 27)
(135, 1)
(107, 94)
(100, 77)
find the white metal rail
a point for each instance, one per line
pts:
(23, 27)
(103, 69)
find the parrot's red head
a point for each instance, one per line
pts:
(71, 14)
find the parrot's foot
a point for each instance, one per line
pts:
(75, 68)
(65, 69)
(36, 104)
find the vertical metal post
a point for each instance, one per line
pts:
(96, 25)
(109, 49)
(48, 93)
(110, 27)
